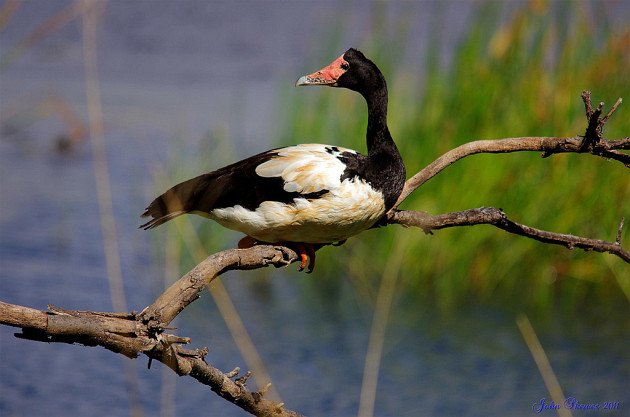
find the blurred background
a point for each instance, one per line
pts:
(105, 104)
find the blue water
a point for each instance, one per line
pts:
(172, 72)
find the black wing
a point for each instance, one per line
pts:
(236, 184)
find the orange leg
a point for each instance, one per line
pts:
(301, 251)
(306, 251)
(311, 254)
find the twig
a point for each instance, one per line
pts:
(618, 238)
(612, 110)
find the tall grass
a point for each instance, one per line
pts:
(520, 76)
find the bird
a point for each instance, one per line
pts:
(302, 196)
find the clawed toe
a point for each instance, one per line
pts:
(305, 251)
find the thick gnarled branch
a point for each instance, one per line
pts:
(187, 288)
(144, 333)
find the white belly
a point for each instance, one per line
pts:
(347, 210)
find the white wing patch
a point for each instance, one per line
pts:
(306, 168)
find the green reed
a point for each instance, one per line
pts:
(520, 76)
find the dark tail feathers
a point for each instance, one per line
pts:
(178, 200)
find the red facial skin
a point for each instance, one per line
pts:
(327, 75)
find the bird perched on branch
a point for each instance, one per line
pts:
(303, 196)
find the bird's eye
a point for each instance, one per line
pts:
(345, 66)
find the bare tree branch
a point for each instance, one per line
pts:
(547, 145)
(144, 333)
(497, 218)
(187, 289)
(592, 142)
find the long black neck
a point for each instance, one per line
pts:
(386, 170)
(378, 136)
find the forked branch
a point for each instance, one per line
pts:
(144, 333)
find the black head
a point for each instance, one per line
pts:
(351, 70)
